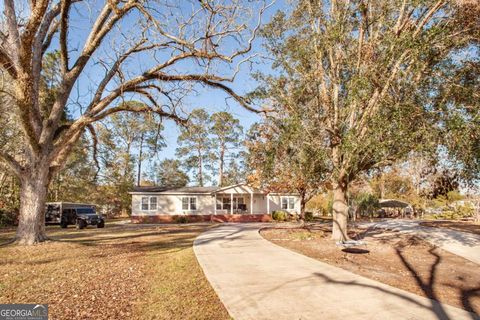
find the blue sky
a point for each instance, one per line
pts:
(209, 99)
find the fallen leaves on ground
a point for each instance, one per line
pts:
(116, 273)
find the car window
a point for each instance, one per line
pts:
(85, 211)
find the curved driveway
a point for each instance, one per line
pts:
(256, 279)
(463, 244)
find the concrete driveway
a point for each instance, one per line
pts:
(256, 279)
(464, 244)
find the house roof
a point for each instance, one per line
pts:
(248, 188)
(195, 189)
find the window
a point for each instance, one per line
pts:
(149, 203)
(288, 203)
(225, 203)
(189, 203)
(144, 203)
(291, 203)
(193, 203)
(153, 203)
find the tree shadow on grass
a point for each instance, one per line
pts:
(428, 285)
(436, 307)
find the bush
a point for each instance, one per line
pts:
(180, 219)
(279, 215)
(367, 204)
(457, 213)
(308, 216)
(7, 218)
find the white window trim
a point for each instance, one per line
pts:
(288, 202)
(188, 210)
(148, 203)
(235, 200)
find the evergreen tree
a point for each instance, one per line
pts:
(168, 173)
(226, 138)
(195, 146)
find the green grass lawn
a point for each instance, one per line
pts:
(121, 271)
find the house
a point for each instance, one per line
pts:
(236, 203)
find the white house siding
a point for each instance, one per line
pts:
(276, 202)
(169, 204)
(259, 203)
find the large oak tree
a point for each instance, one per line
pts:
(360, 74)
(150, 50)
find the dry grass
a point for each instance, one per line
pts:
(132, 272)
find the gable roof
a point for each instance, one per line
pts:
(243, 184)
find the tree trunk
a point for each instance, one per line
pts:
(382, 186)
(200, 169)
(303, 202)
(340, 212)
(33, 196)
(220, 170)
(477, 215)
(140, 156)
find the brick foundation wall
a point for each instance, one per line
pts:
(165, 218)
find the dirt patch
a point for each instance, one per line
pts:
(396, 259)
(463, 226)
(120, 272)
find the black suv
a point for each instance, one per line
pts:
(85, 217)
(78, 214)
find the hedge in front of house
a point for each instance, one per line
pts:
(308, 216)
(279, 215)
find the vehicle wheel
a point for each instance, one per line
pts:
(81, 224)
(63, 224)
(101, 224)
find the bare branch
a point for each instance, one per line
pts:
(65, 9)
(11, 163)
(13, 34)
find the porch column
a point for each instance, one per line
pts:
(251, 202)
(268, 203)
(215, 205)
(231, 203)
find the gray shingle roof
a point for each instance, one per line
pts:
(175, 189)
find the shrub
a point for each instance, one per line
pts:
(459, 212)
(279, 215)
(308, 216)
(367, 204)
(7, 218)
(180, 219)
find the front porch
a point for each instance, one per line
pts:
(240, 199)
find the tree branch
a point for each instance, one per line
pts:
(11, 163)
(64, 14)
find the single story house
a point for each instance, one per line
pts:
(235, 203)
